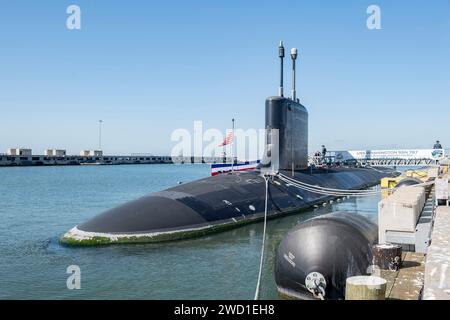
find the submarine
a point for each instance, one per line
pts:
(232, 199)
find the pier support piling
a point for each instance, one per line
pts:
(365, 288)
(387, 256)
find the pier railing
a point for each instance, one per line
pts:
(335, 157)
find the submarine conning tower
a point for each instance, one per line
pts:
(290, 118)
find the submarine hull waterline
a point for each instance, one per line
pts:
(213, 204)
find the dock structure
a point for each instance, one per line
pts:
(437, 266)
(418, 219)
(406, 218)
(96, 158)
(407, 282)
(385, 158)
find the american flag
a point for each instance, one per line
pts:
(227, 140)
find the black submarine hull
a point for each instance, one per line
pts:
(229, 200)
(213, 204)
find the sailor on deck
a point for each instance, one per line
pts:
(437, 145)
(324, 153)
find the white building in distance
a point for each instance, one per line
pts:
(91, 153)
(55, 153)
(18, 152)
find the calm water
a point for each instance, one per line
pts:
(38, 204)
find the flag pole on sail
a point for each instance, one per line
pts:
(224, 153)
(232, 146)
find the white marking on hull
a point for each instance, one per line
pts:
(80, 235)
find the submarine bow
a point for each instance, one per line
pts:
(213, 204)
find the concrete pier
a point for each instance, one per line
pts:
(407, 282)
(44, 160)
(437, 266)
(422, 228)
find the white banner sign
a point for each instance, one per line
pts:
(432, 154)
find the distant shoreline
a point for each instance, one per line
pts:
(40, 160)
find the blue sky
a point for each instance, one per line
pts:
(149, 67)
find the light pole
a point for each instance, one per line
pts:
(100, 134)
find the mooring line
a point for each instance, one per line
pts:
(266, 178)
